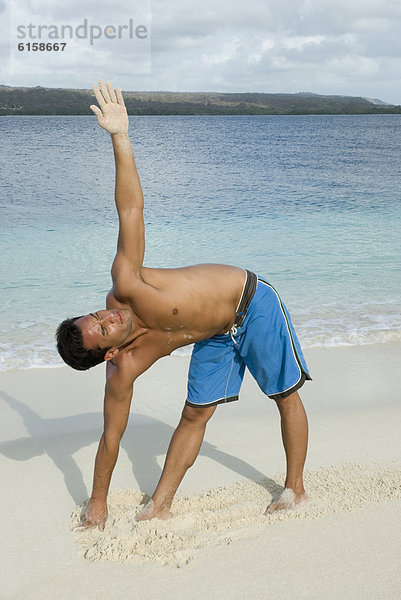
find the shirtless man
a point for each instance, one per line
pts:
(234, 319)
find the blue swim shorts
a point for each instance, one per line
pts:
(263, 339)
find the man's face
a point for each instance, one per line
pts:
(105, 328)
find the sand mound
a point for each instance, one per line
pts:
(221, 515)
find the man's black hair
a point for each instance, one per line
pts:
(71, 348)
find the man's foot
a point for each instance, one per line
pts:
(150, 511)
(287, 499)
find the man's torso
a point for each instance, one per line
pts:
(178, 306)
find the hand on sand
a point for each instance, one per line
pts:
(95, 515)
(287, 499)
(112, 114)
(151, 512)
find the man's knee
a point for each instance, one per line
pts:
(197, 415)
(290, 402)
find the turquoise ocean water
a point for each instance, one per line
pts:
(312, 203)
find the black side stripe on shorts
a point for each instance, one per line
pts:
(307, 376)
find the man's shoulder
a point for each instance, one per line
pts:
(118, 374)
(123, 291)
(131, 363)
(124, 276)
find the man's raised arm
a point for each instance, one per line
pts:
(112, 116)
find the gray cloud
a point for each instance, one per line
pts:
(346, 47)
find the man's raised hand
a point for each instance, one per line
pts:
(112, 114)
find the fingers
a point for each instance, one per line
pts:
(104, 91)
(111, 92)
(90, 525)
(107, 95)
(84, 526)
(96, 110)
(120, 98)
(99, 96)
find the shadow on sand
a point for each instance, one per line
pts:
(144, 440)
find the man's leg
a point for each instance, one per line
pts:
(182, 452)
(294, 430)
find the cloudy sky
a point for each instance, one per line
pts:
(350, 47)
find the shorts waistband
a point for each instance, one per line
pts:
(248, 292)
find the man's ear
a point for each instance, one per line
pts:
(111, 353)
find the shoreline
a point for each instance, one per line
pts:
(185, 352)
(50, 427)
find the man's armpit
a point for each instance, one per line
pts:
(124, 275)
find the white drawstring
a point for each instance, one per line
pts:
(233, 332)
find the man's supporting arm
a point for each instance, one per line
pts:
(117, 404)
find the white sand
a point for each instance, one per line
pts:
(344, 542)
(225, 514)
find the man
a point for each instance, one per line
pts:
(234, 319)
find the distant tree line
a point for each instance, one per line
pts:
(49, 101)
